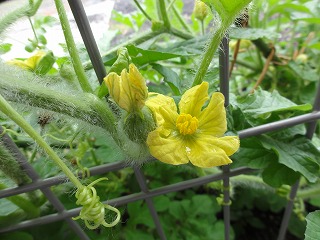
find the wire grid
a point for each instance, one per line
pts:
(145, 193)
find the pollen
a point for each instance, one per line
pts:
(187, 124)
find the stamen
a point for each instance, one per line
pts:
(187, 124)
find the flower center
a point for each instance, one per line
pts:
(187, 124)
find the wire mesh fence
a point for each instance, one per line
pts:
(145, 193)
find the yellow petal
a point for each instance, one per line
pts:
(229, 144)
(20, 63)
(135, 91)
(193, 99)
(167, 148)
(203, 154)
(33, 61)
(208, 151)
(212, 120)
(167, 105)
(129, 91)
(113, 82)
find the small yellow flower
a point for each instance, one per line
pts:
(129, 90)
(30, 63)
(193, 134)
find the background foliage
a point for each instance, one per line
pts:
(289, 30)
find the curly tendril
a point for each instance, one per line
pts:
(93, 211)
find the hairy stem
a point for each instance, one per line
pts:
(309, 192)
(11, 168)
(19, 87)
(27, 10)
(181, 34)
(178, 16)
(211, 49)
(164, 15)
(71, 45)
(21, 122)
(142, 10)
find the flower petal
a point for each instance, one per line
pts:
(128, 90)
(163, 107)
(193, 99)
(209, 151)
(167, 147)
(212, 120)
(134, 90)
(113, 82)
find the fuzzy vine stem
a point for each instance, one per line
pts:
(27, 10)
(211, 49)
(309, 192)
(164, 15)
(85, 106)
(21, 122)
(178, 16)
(71, 45)
(142, 10)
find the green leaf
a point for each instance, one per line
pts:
(45, 64)
(170, 77)
(16, 235)
(289, 8)
(305, 73)
(139, 214)
(252, 33)
(137, 234)
(191, 47)
(5, 47)
(123, 18)
(201, 203)
(122, 62)
(10, 213)
(252, 154)
(313, 223)
(315, 46)
(228, 9)
(299, 155)
(260, 103)
(141, 56)
(161, 203)
(278, 174)
(176, 209)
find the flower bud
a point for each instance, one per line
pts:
(200, 10)
(138, 125)
(129, 90)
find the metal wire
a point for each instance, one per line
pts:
(132, 198)
(143, 186)
(25, 166)
(294, 189)
(88, 38)
(147, 194)
(224, 89)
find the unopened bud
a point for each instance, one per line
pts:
(200, 10)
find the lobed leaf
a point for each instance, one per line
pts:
(313, 222)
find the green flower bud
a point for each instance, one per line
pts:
(200, 10)
(138, 125)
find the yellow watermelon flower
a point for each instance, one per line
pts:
(29, 63)
(193, 133)
(129, 90)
